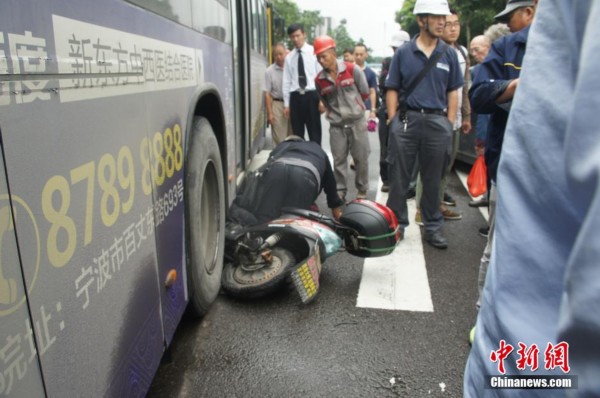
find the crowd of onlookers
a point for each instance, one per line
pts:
(531, 100)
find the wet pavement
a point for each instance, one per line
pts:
(277, 347)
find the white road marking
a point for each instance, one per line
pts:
(483, 210)
(397, 281)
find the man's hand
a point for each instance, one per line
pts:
(466, 125)
(337, 212)
(321, 107)
(479, 150)
(286, 112)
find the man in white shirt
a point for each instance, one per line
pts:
(280, 125)
(300, 98)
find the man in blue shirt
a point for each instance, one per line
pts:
(543, 285)
(425, 128)
(360, 57)
(494, 86)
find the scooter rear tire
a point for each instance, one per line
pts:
(240, 283)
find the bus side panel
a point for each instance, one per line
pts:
(20, 374)
(258, 67)
(95, 301)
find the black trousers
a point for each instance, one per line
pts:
(383, 142)
(285, 186)
(304, 111)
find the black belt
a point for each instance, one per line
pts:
(302, 92)
(441, 112)
(278, 99)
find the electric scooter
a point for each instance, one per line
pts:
(291, 249)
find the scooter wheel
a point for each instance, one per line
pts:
(243, 283)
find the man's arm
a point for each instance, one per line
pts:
(360, 80)
(268, 99)
(269, 106)
(465, 109)
(372, 81)
(373, 98)
(452, 105)
(509, 92)
(391, 99)
(330, 187)
(286, 85)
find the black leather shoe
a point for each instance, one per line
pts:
(479, 203)
(436, 239)
(449, 200)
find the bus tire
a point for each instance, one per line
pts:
(205, 216)
(252, 284)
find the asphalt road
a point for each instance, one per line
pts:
(332, 347)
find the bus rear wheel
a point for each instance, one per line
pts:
(205, 216)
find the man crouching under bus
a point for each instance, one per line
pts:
(293, 176)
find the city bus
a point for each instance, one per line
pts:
(125, 126)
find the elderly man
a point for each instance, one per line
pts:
(479, 48)
(280, 125)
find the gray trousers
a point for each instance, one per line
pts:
(427, 136)
(350, 139)
(453, 150)
(487, 252)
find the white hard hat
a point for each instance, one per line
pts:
(434, 7)
(399, 38)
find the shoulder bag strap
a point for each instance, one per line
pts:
(432, 61)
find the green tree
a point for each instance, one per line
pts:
(311, 20)
(289, 12)
(342, 38)
(475, 16)
(407, 19)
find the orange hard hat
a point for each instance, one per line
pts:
(323, 43)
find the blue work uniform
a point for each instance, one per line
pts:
(372, 83)
(502, 64)
(428, 131)
(543, 284)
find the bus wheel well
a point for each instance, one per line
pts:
(209, 107)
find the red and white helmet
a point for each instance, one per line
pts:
(376, 228)
(323, 43)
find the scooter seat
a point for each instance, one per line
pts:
(311, 215)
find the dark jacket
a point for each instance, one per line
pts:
(502, 64)
(312, 152)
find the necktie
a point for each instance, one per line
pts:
(301, 72)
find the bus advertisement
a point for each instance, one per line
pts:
(124, 127)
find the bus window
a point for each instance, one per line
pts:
(212, 18)
(177, 10)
